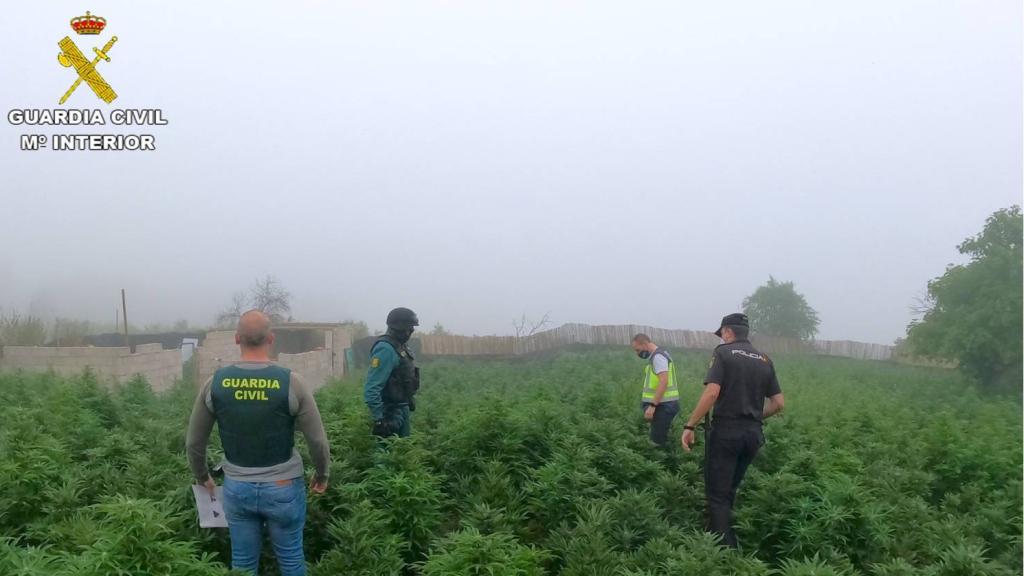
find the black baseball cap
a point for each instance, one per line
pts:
(734, 319)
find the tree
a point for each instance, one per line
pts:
(439, 330)
(228, 318)
(18, 330)
(69, 332)
(972, 314)
(269, 297)
(266, 295)
(357, 329)
(527, 327)
(777, 309)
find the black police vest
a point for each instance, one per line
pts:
(746, 377)
(404, 380)
(255, 422)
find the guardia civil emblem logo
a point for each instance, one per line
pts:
(87, 28)
(71, 57)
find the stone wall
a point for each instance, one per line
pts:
(160, 367)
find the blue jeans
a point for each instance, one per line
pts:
(664, 414)
(279, 505)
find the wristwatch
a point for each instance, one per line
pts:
(690, 428)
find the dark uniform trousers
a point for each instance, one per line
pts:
(664, 413)
(731, 448)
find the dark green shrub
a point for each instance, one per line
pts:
(470, 553)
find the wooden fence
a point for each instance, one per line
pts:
(448, 345)
(451, 345)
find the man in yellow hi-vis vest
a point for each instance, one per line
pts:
(660, 399)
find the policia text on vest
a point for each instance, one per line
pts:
(743, 389)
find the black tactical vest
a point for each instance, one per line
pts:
(255, 423)
(405, 378)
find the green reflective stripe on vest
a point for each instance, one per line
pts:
(651, 383)
(254, 419)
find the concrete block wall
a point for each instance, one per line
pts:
(64, 361)
(160, 367)
(317, 366)
(314, 366)
(341, 340)
(146, 348)
(218, 349)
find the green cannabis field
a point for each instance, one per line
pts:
(538, 467)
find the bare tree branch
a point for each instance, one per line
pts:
(525, 327)
(228, 318)
(271, 298)
(922, 305)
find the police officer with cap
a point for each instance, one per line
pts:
(393, 378)
(738, 381)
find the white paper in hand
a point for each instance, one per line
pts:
(211, 510)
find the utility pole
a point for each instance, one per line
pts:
(124, 314)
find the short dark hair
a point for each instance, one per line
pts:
(741, 332)
(642, 338)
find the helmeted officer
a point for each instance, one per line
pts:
(393, 378)
(739, 379)
(660, 397)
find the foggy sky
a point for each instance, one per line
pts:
(630, 162)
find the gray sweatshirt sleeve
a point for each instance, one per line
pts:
(307, 418)
(200, 424)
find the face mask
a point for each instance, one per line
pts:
(403, 336)
(645, 354)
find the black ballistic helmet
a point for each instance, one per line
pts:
(402, 319)
(735, 319)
